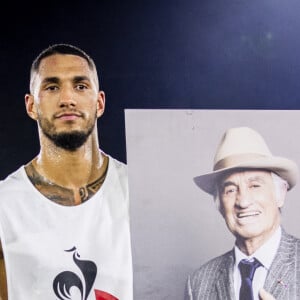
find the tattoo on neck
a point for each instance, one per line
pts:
(88, 191)
(62, 195)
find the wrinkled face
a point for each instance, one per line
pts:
(65, 97)
(249, 204)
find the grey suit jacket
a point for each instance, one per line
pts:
(214, 280)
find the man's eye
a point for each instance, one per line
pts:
(230, 190)
(255, 185)
(81, 87)
(51, 88)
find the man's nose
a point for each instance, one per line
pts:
(243, 198)
(67, 97)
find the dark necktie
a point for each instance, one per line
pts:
(247, 269)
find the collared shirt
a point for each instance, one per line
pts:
(265, 254)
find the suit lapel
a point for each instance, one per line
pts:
(281, 271)
(224, 281)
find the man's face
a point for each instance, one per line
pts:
(249, 204)
(65, 99)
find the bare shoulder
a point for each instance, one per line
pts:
(3, 286)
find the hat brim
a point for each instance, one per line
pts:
(283, 167)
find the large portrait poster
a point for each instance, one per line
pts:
(175, 226)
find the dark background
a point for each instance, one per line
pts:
(212, 54)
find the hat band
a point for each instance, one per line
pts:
(235, 160)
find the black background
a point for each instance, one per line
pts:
(181, 54)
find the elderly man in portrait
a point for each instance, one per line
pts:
(249, 185)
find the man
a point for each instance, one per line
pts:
(249, 186)
(64, 223)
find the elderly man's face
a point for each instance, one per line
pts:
(249, 204)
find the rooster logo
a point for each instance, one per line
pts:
(66, 280)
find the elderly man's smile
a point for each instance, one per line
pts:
(248, 214)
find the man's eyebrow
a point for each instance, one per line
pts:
(57, 80)
(256, 178)
(81, 78)
(50, 80)
(226, 183)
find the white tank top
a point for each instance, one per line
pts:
(67, 252)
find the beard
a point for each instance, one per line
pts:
(68, 140)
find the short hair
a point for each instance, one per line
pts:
(278, 181)
(61, 48)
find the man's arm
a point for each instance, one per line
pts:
(3, 287)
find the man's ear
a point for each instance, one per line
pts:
(281, 195)
(100, 103)
(30, 106)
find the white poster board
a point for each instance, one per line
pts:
(175, 226)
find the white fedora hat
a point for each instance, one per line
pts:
(244, 148)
